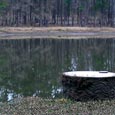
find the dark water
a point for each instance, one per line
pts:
(33, 67)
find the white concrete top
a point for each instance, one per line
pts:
(90, 74)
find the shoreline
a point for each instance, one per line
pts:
(61, 106)
(56, 32)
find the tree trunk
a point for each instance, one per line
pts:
(113, 13)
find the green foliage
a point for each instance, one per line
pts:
(68, 4)
(3, 4)
(80, 8)
(101, 4)
(68, 1)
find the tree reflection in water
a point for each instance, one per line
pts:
(33, 67)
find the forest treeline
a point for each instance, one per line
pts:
(57, 13)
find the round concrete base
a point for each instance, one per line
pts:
(88, 85)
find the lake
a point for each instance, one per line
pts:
(33, 67)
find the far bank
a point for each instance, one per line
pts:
(56, 32)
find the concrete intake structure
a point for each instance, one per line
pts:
(88, 85)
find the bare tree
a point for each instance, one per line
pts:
(57, 12)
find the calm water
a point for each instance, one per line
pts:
(33, 67)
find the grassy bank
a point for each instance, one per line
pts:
(39, 106)
(56, 32)
(57, 28)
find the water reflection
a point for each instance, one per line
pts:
(32, 67)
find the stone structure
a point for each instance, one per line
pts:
(89, 85)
